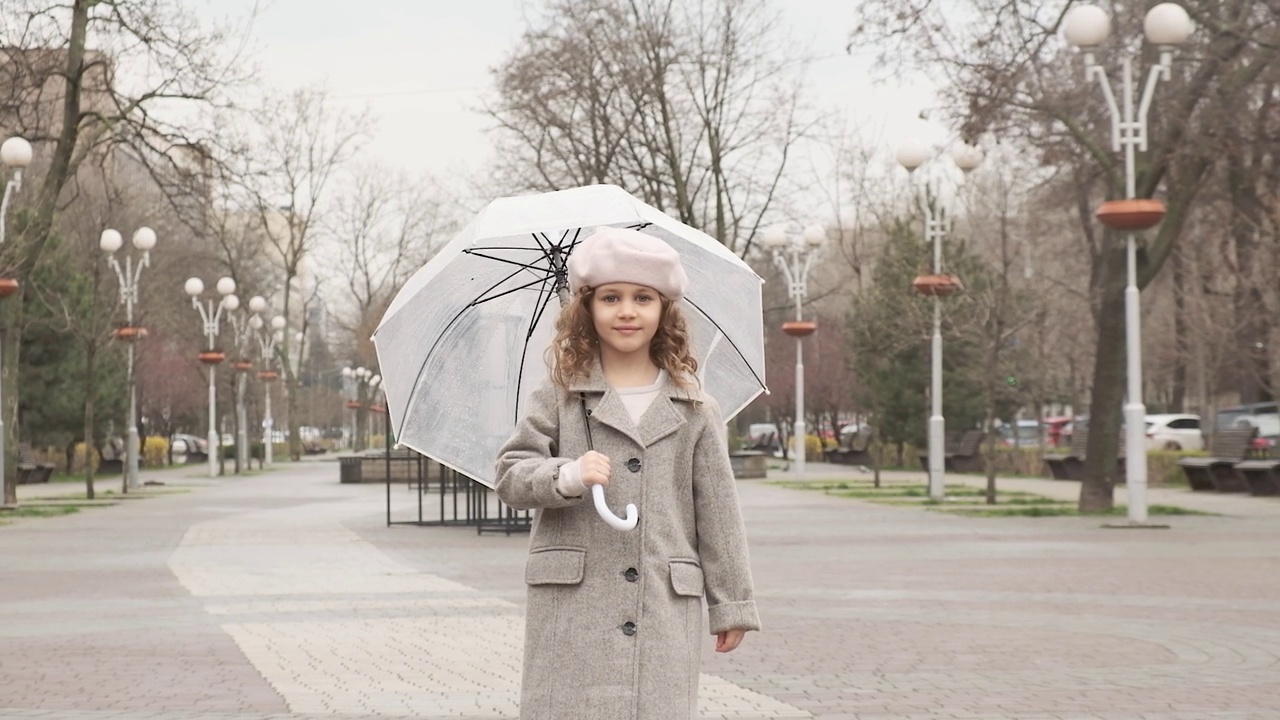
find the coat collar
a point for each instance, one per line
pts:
(660, 420)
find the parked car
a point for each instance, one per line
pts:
(1227, 416)
(1027, 435)
(1268, 429)
(763, 437)
(192, 446)
(1173, 431)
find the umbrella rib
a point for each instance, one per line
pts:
(521, 265)
(726, 337)
(544, 301)
(482, 299)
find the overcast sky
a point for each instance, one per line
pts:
(423, 68)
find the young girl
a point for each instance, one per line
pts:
(614, 618)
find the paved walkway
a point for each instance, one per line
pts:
(286, 595)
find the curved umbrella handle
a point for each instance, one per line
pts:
(617, 523)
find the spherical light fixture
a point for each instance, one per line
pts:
(194, 286)
(110, 241)
(231, 302)
(277, 322)
(257, 304)
(226, 286)
(15, 152)
(1087, 26)
(912, 153)
(815, 235)
(966, 157)
(144, 238)
(775, 236)
(1167, 24)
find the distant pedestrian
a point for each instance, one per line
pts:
(614, 618)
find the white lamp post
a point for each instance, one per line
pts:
(1165, 26)
(243, 331)
(15, 152)
(267, 341)
(144, 238)
(374, 382)
(211, 315)
(937, 223)
(794, 256)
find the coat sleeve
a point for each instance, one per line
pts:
(722, 536)
(527, 466)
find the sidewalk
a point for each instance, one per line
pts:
(286, 595)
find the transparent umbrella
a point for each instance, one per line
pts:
(463, 343)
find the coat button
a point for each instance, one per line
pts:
(633, 464)
(631, 575)
(628, 628)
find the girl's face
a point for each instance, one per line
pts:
(626, 317)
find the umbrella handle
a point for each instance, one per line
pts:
(617, 523)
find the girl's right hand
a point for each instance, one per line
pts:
(595, 468)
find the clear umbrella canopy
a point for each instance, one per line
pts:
(463, 344)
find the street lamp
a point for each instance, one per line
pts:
(937, 223)
(211, 315)
(144, 238)
(243, 331)
(267, 341)
(794, 256)
(15, 153)
(1166, 25)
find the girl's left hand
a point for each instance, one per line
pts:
(729, 640)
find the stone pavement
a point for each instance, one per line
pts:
(286, 595)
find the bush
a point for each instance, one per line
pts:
(813, 448)
(155, 452)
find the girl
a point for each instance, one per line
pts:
(614, 617)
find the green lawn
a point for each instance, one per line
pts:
(966, 500)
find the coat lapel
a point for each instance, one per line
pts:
(660, 420)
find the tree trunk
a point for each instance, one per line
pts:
(90, 391)
(1180, 344)
(1097, 490)
(11, 311)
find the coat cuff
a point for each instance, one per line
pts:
(734, 616)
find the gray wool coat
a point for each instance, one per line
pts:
(614, 626)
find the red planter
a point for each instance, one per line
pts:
(937, 285)
(353, 405)
(377, 409)
(1136, 214)
(799, 328)
(268, 375)
(8, 286)
(242, 365)
(212, 357)
(130, 333)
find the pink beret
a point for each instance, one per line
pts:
(620, 255)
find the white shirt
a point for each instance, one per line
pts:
(636, 400)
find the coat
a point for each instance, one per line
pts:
(614, 626)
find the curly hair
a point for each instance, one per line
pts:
(576, 343)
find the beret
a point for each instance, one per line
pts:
(623, 255)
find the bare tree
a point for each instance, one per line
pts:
(68, 100)
(1009, 75)
(691, 106)
(285, 170)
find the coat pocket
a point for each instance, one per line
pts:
(555, 566)
(686, 578)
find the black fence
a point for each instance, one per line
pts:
(444, 496)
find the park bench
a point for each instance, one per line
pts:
(856, 452)
(1217, 472)
(30, 471)
(1261, 475)
(962, 452)
(1059, 464)
(1070, 465)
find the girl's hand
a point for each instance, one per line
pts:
(595, 468)
(729, 640)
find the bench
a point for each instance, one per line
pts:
(1070, 465)
(962, 452)
(1217, 472)
(31, 472)
(1261, 475)
(856, 452)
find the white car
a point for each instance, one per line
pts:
(1174, 432)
